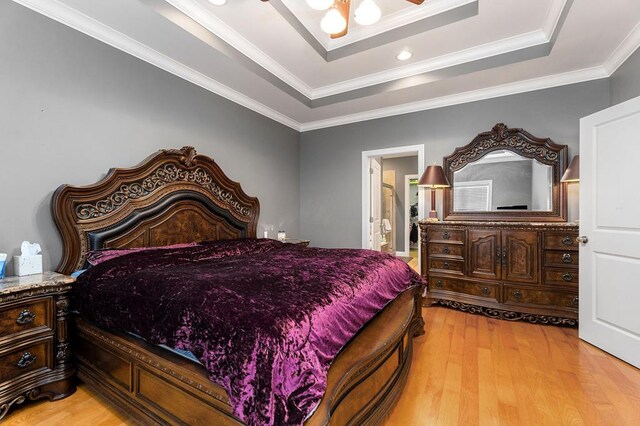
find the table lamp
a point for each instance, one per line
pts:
(433, 178)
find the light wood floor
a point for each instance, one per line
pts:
(467, 370)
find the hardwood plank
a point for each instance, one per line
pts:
(468, 369)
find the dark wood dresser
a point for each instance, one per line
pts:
(35, 357)
(508, 270)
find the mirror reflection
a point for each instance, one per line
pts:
(503, 180)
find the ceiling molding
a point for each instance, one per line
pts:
(520, 42)
(89, 26)
(624, 50)
(462, 98)
(212, 23)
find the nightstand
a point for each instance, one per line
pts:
(35, 357)
(300, 242)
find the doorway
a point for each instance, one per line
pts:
(386, 217)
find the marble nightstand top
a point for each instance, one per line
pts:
(10, 285)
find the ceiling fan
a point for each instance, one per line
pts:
(336, 21)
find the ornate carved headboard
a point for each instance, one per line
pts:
(174, 196)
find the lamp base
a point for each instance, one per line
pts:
(433, 216)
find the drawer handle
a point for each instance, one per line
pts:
(567, 277)
(25, 317)
(26, 360)
(504, 257)
(445, 250)
(445, 265)
(517, 294)
(446, 235)
(485, 291)
(567, 241)
(439, 284)
(566, 258)
(575, 301)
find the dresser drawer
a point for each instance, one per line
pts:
(561, 240)
(453, 250)
(23, 316)
(485, 290)
(563, 259)
(446, 266)
(555, 276)
(20, 360)
(544, 298)
(446, 235)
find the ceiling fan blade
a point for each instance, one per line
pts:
(413, 1)
(343, 6)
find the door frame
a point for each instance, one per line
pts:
(400, 151)
(407, 218)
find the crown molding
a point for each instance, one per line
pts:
(89, 26)
(624, 50)
(572, 77)
(477, 53)
(212, 23)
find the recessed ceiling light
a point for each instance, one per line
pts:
(218, 2)
(404, 55)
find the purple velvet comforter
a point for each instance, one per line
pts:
(266, 319)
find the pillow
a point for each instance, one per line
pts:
(96, 257)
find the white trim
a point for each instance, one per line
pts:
(625, 49)
(212, 23)
(388, 152)
(465, 97)
(407, 212)
(554, 13)
(473, 54)
(89, 26)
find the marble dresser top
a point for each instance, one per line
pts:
(15, 284)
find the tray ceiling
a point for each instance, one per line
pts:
(272, 56)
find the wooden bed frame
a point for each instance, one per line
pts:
(178, 196)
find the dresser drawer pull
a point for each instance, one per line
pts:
(566, 258)
(485, 291)
(26, 360)
(567, 277)
(575, 301)
(446, 235)
(445, 265)
(25, 317)
(445, 250)
(439, 284)
(567, 241)
(517, 294)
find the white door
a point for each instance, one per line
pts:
(375, 230)
(610, 219)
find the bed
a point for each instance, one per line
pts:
(177, 197)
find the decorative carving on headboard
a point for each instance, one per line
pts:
(161, 176)
(501, 137)
(169, 188)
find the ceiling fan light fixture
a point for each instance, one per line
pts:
(367, 13)
(320, 4)
(217, 2)
(333, 22)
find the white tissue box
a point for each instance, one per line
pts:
(27, 265)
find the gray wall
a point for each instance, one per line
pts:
(72, 107)
(625, 82)
(330, 159)
(402, 166)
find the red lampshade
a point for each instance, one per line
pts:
(433, 177)
(572, 174)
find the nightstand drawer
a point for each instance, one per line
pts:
(560, 240)
(15, 362)
(20, 317)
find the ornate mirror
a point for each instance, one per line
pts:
(506, 174)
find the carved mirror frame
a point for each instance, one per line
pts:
(522, 143)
